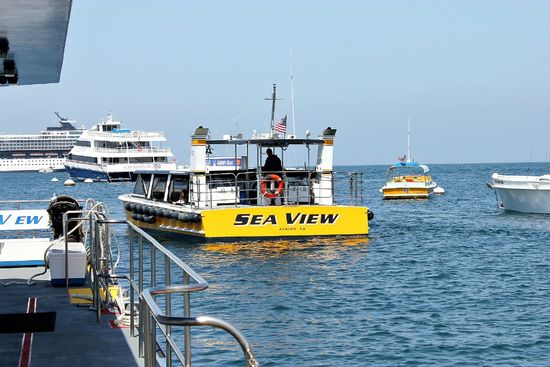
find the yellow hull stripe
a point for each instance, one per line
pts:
(407, 193)
(269, 222)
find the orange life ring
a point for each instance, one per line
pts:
(280, 186)
(139, 148)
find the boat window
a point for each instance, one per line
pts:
(83, 143)
(159, 187)
(142, 184)
(179, 189)
(81, 158)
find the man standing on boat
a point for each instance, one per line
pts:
(273, 164)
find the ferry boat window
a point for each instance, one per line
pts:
(159, 187)
(179, 189)
(83, 143)
(142, 184)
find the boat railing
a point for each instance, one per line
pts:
(127, 135)
(348, 187)
(305, 187)
(163, 284)
(132, 150)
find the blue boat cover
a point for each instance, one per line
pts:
(406, 164)
(410, 165)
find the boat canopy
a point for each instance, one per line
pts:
(397, 165)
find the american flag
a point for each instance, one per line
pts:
(280, 126)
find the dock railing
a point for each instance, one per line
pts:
(156, 274)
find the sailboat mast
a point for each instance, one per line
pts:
(409, 158)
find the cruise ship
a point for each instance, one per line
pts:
(38, 152)
(107, 152)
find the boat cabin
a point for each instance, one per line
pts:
(240, 179)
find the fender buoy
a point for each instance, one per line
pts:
(280, 185)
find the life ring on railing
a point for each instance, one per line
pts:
(139, 148)
(280, 186)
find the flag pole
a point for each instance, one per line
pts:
(292, 95)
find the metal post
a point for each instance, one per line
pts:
(152, 338)
(153, 266)
(168, 309)
(97, 295)
(147, 331)
(187, 313)
(65, 237)
(140, 289)
(132, 313)
(153, 284)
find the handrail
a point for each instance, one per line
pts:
(150, 315)
(196, 321)
(196, 277)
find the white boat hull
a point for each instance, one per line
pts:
(525, 194)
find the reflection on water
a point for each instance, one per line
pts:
(274, 248)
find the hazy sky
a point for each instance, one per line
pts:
(473, 76)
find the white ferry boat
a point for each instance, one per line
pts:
(38, 152)
(107, 152)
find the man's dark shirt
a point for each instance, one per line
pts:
(272, 163)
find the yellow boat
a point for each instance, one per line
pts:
(232, 197)
(408, 180)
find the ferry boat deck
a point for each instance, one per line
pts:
(77, 338)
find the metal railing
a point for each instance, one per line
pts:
(145, 254)
(132, 150)
(300, 187)
(128, 135)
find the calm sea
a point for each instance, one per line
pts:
(449, 281)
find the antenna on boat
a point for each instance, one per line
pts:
(273, 99)
(61, 118)
(292, 95)
(409, 159)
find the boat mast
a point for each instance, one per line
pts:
(292, 95)
(409, 159)
(273, 99)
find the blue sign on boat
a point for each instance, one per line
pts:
(222, 163)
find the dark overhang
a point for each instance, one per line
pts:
(32, 40)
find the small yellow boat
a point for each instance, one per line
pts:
(408, 180)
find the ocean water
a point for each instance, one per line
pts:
(451, 281)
